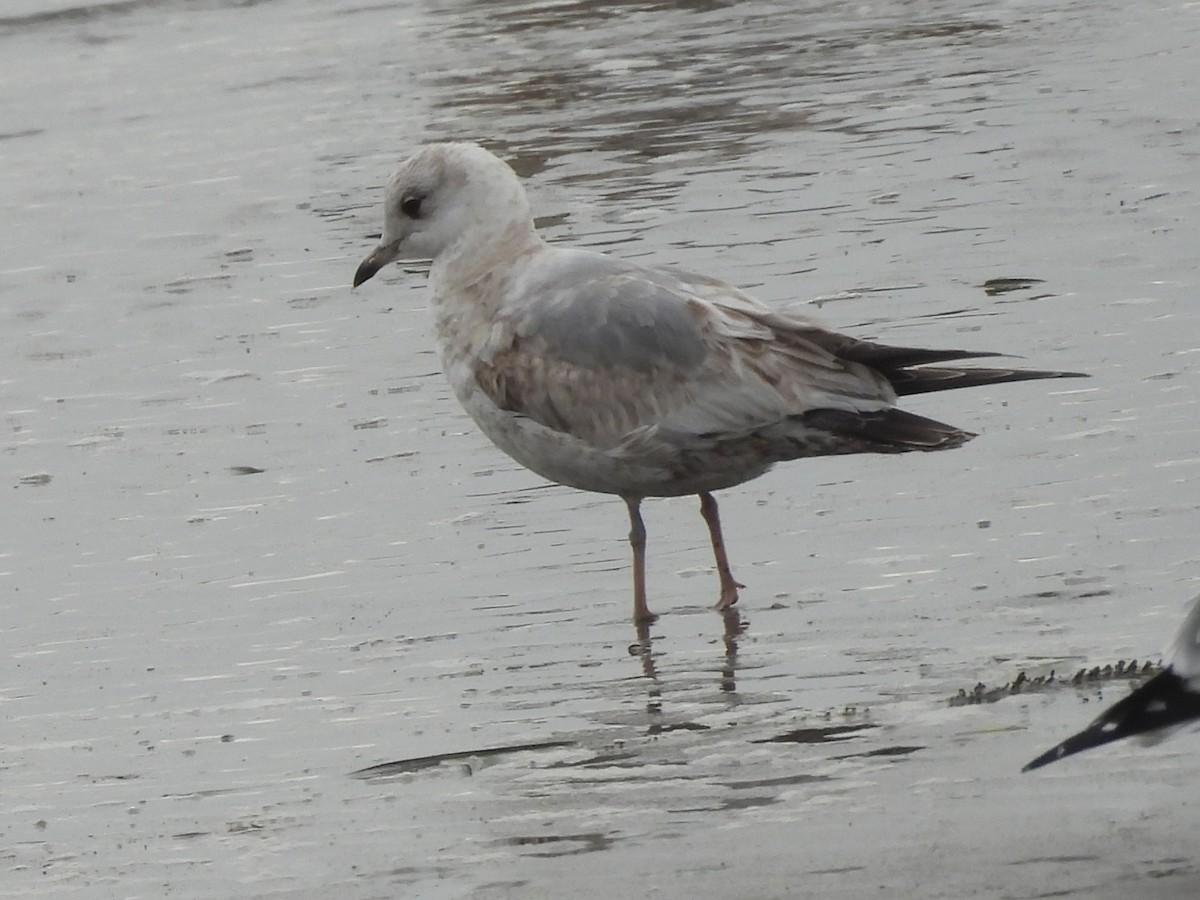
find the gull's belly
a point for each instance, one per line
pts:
(649, 467)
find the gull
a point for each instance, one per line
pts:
(1165, 704)
(608, 376)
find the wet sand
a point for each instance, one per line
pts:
(252, 544)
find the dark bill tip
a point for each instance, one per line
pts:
(378, 258)
(366, 269)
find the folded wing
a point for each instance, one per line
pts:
(599, 349)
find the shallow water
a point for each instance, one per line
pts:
(252, 545)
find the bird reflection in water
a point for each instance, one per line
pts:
(643, 649)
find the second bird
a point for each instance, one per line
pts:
(608, 376)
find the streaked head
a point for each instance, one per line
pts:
(441, 195)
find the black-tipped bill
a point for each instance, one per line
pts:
(380, 257)
(1163, 701)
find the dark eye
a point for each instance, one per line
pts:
(410, 205)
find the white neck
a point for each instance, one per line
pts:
(486, 254)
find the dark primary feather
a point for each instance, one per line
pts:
(909, 370)
(895, 430)
(925, 379)
(883, 357)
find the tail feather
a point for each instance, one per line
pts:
(886, 430)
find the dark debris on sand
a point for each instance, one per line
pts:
(1023, 684)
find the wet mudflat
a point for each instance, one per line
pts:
(252, 546)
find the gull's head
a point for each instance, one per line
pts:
(442, 196)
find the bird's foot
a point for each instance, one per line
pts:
(642, 615)
(729, 594)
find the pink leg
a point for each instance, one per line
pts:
(637, 540)
(729, 587)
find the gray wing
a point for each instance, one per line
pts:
(600, 349)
